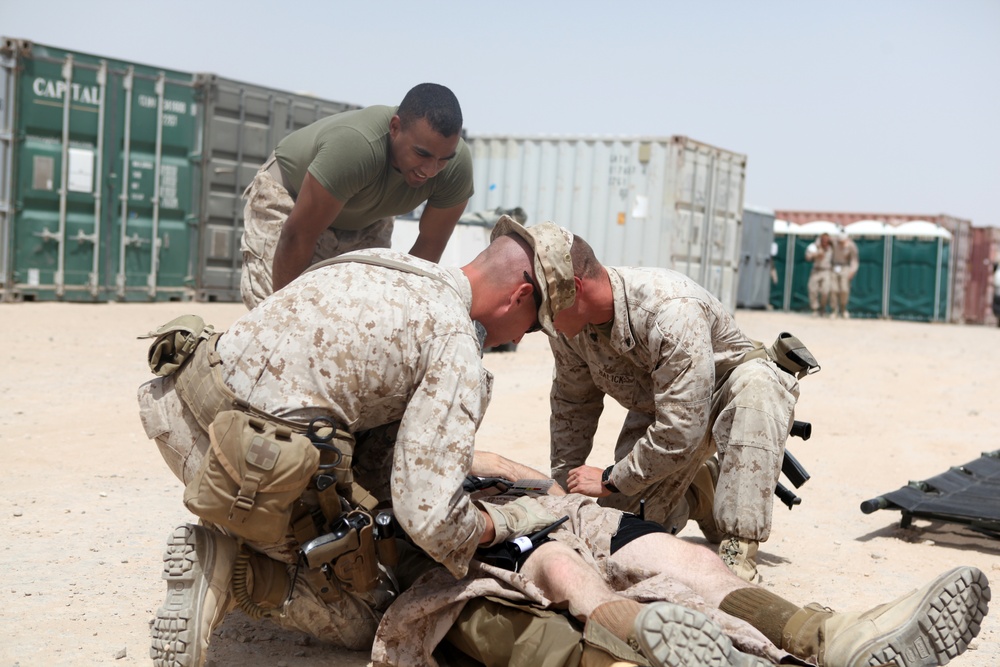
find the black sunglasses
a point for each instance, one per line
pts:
(536, 293)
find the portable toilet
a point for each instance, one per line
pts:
(919, 275)
(782, 247)
(870, 287)
(756, 242)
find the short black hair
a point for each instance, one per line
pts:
(435, 103)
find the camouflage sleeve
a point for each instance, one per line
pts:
(576, 404)
(434, 450)
(683, 381)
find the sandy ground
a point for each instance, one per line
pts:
(86, 502)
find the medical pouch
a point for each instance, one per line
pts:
(175, 342)
(251, 476)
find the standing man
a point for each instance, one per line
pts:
(334, 186)
(845, 266)
(694, 385)
(820, 253)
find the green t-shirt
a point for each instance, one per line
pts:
(348, 153)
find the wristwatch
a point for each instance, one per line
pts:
(606, 480)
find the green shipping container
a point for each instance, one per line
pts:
(98, 174)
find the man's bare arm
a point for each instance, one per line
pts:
(490, 464)
(315, 209)
(436, 227)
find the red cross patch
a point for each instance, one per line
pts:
(263, 453)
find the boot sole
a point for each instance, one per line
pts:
(940, 627)
(675, 636)
(175, 628)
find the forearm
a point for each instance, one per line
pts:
(436, 227)
(490, 464)
(292, 257)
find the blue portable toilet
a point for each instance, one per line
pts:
(919, 272)
(870, 287)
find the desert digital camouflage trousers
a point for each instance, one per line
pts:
(351, 621)
(268, 206)
(840, 290)
(820, 288)
(751, 415)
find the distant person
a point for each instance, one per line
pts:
(845, 266)
(334, 186)
(820, 253)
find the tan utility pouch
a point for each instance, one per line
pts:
(175, 342)
(251, 476)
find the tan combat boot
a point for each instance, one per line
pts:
(198, 567)
(670, 635)
(926, 627)
(740, 556)
(700, 498)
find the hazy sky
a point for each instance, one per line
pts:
(874, 106)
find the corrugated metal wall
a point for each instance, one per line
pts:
(756, 261)
(97, 176)
(243, 124)
(669, 201)
(123, 181)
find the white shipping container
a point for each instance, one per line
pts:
(670, 202)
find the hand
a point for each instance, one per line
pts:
(586, 480)
(516, 519)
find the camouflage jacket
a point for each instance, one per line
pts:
(668, 337)
(369, 346)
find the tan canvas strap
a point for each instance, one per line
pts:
(386, 262)
(201, 387)
(787, 352)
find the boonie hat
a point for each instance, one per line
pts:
(553, 265)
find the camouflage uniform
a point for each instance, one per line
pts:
(820, 284)
(268, 206)
(422, 616)
(368, 346)
(665, 359)
(845, 265)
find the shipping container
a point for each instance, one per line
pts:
(983, 259)
(243, 124)
(661, 201)
(192, 143)
(471, 235)
(756, 250)
(97, 177)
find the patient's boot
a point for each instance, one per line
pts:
(670, 635)
(198, 567)
(926, 627)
